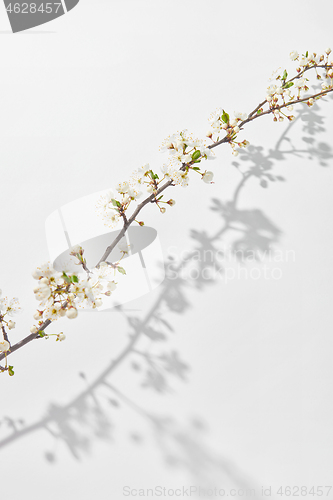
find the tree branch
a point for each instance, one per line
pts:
(150, 199)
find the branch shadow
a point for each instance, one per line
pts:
(89, 416)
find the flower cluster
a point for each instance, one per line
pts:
(284, 93)
(8, 309)
(61, 294)
(220, 122)
(112, 206)
(185, 152)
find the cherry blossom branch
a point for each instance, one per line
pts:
(132, 219)
(59, 293)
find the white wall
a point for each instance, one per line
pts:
(90, 96)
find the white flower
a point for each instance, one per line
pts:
(236, 129)
(37, 315)
(76, 249)
(122, 187)
(208, 153)
(293, 55)
(123, 246)
(303, 61)
(235, 153)
(45, 270)
(208, 177)
(180, 178)
(98, 302)
(186, 158)
(101, 273)
(52, 312)
(11, 324)
(42, 292)
(11, 308)
(240, 116)
(144, 169)
(111, 218)
(71, 313)
(271, 89)
(61, 337)
(134, 193)
(77, 290)
(4, 346)
(105, 201)
(165, 169)
(300, 83)
(111, 286)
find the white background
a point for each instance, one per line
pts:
(84, 101)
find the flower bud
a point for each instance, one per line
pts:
(36, 274)
(71, 313)
(76, 249)
(4, 346)
(208, 177)
(38, 315)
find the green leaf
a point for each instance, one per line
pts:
(153, 176)
(11, 371)
(158, 199)
(75, 279)
(121, 270)
(66, 278)
(306, 54)
(116, 203)
(196, 155)
(288, 85)
(41, 333)
(225, 117)
(285, 74)
(197, 161)
(195, 168)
